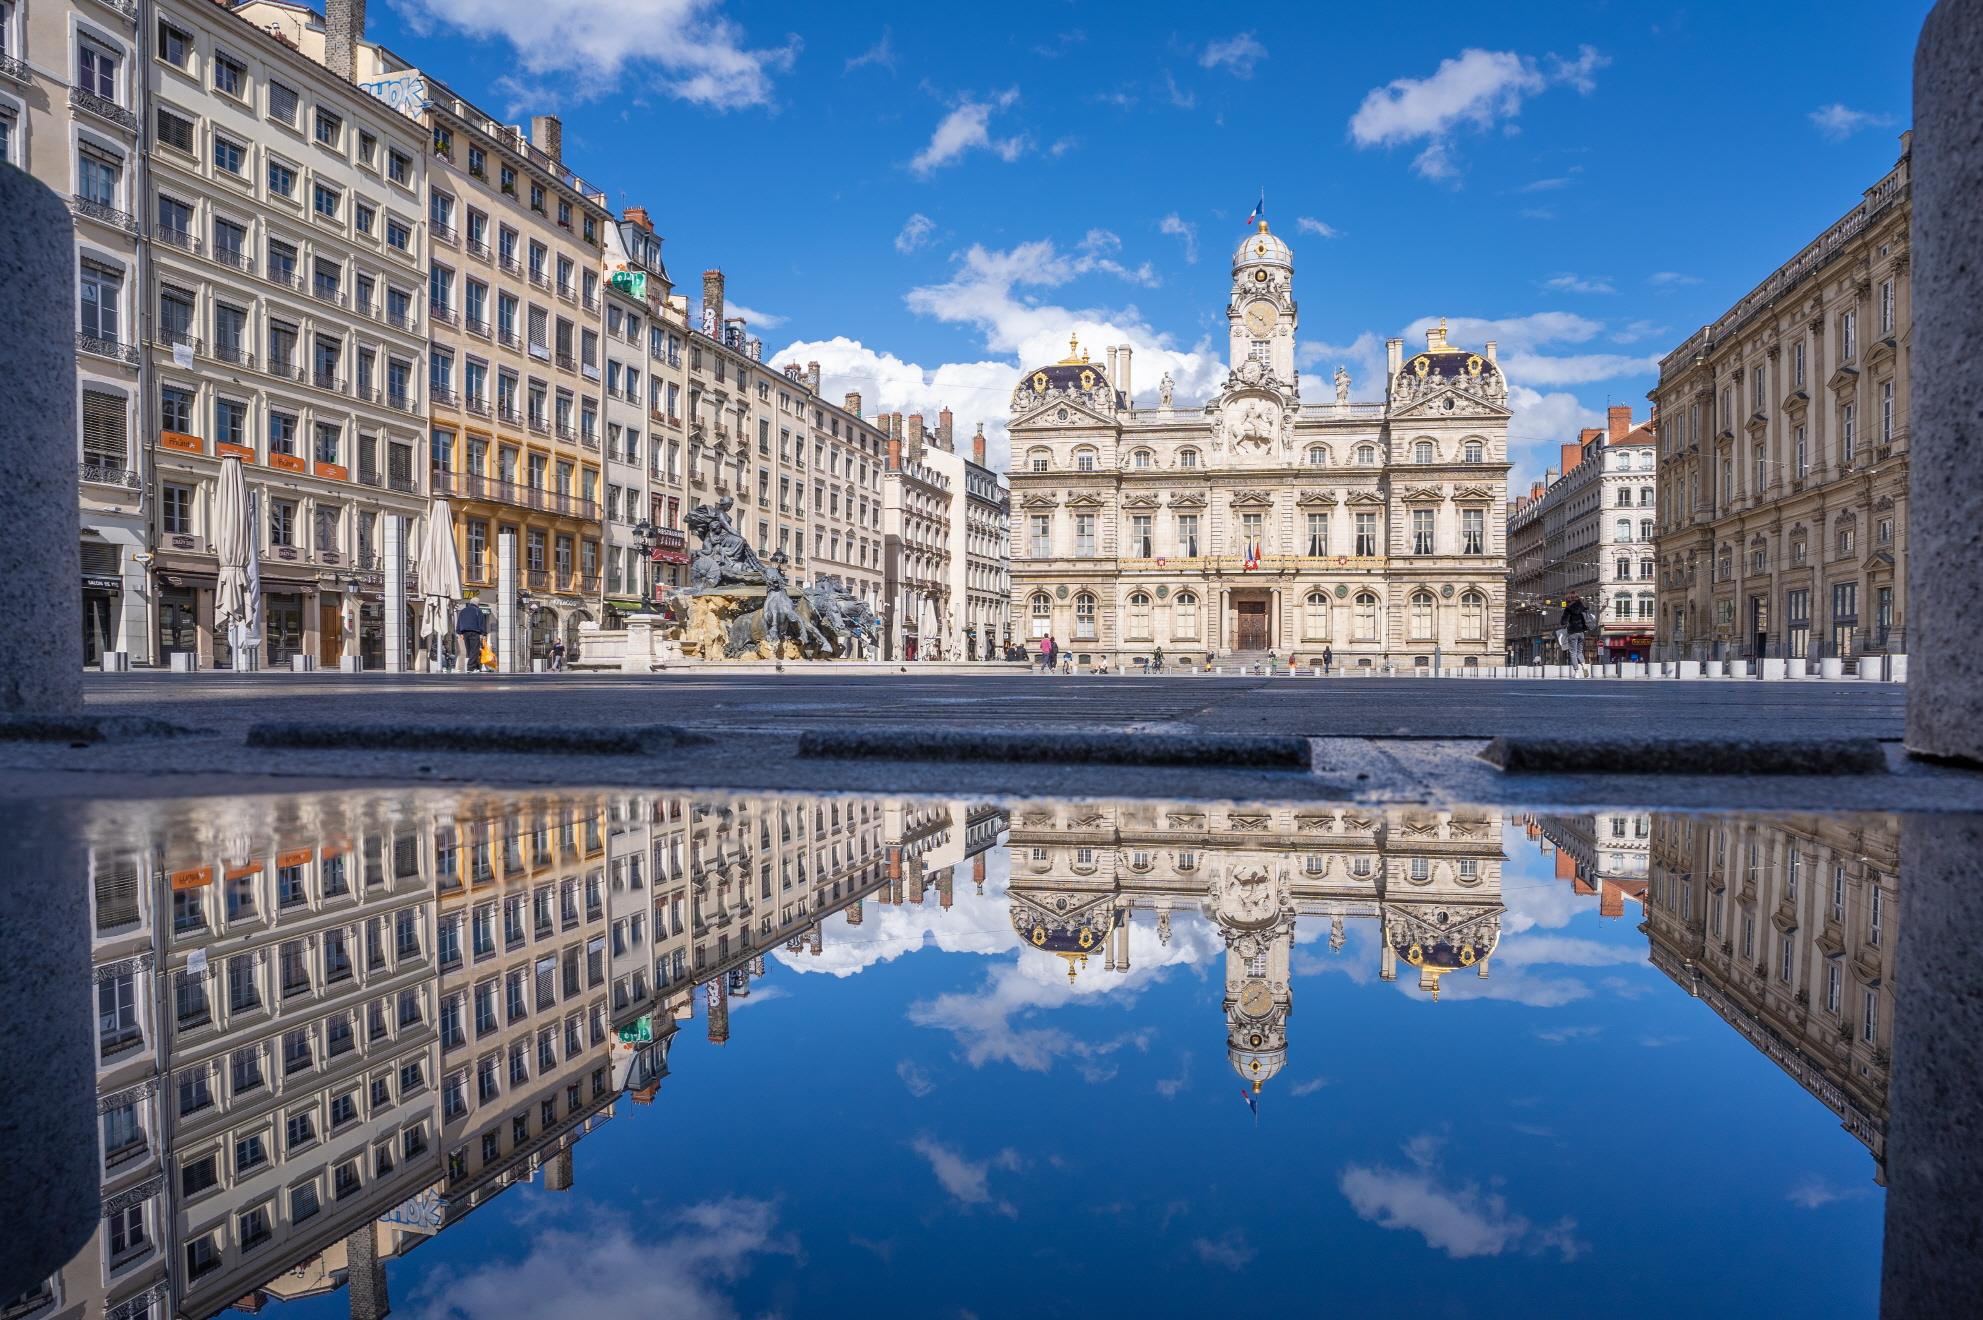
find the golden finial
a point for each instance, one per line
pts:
(1263, 226)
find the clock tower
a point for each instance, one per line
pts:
(1261, 317)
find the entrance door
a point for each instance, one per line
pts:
(282, 627)
(330, 632)
(1250, 620)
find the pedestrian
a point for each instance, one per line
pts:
(1271, 663)
(1157, 660)
(446, 646)
(1046, 654)
(1328, 658)
(1574, 624)
(557, 655)
(472, 625)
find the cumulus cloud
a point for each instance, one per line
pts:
(1477, 89)
(966, 129)
(1178, 228)
(969, 1181)
(1580, 284)
(1308, 224)
(1229, 1251)
(881, 54)
(1837, 122)
(1814, 1193)
(756, 319)
(686, 48)
(1237, 55)
(915, 233)
(1457, 1218)
(593, 1265)
(975, 923)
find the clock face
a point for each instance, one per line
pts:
(1260, 319)
(1255, 999)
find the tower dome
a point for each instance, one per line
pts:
(1262, 248)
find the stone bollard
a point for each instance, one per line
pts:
(1796, 667)
(351, 664)
(303, 664)
(1899, 668)
(1687, 669)
(49, 1181)
(1739, 669)
(182, 662)
(1871, 670)
(1773, 669)
(1831, 667)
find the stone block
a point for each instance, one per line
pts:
(1871, 670)
(1687, 669)
(182, 662)
(1741, 669)
(1773, 669)
(351, 664)
(303, 664)
(1899, 668)
(1831, 667)
(1796, 666)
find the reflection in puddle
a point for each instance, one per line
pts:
(329, 1027)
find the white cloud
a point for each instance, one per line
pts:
(914, 1078)
(756, 320)
(882, 53)
(1667, 279)
(968, 128)
(1169, 1087)
(1477, 89)
(1580, 284)
(1814, 1193)
(1308, 224)
(975, 923)
(916, 231)
(967, 1180)
(1179, 98)
(593, 1265)
(1544, 185)
(1460, 1220)
(763, 994)
(1176, 227)
(1633, 331)
(1564, 1035)
(1308, 1087)
(1837, 122)
(686, 48)
(1236, 54)
(1229, 1251)
(1531, 950)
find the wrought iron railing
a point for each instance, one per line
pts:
(104, 214)
(103, 108)
(109, 348)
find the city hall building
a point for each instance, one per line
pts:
(1261, 521)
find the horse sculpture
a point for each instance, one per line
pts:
(777, 621)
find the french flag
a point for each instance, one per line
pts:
(1259, 211)
(1251, 1102)
(1252, 555)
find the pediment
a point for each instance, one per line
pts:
(1039, 500)
(1882, 352)
(1795, 402)
(1423, 495)
(1315, 824)
(1252, 499)
(1878, 559)
(1187, 500)
(1084, 500)
(1185, 820)
(1364, 497)
(1139, 501)
(1047, 414)
(1758, 422)
(1843, 379)
(1450, 402)
(1239, 822)
(1310, 499)
(1480, 494)
(1883, 504)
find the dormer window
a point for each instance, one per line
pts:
(1141, 458)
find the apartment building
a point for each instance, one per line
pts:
(72, 109)
(976, 563)
(1586, 529)
(918, 512)
(1783, 453)
(1602, 854)
(288, 252)
(845, 516)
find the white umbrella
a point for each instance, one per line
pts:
(236, 602)
(440, 575)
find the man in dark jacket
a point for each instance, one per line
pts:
(1575, 623)
(473, 625)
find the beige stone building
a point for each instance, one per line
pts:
(287, 258)
(976, 563)
(1263, 519)
(1430, 880)
(1786, 928)
(1783, 454)
(72, 114)
(919, 509)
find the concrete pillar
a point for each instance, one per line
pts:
(365, 1275)
(41, 649)
(1945, 707)
(395, 594)
(509, 658)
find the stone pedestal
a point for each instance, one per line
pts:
(1871, 670)
(182, 662)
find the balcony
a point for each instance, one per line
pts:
(103, 108)
(508, 339)
(168, 339)
(567, 362)
(568, 293)
(104, 215)
(369, 477)
(479, 407)
(15, 69)
(233, 354)
(589, 440)
(403, 482)
(567, 433)
(511, 266)
(537, 579)
(441, 315)
(107, 474)
(444, 396)
(506, 412)
(234, 257)
(399, 320)
(399, 400)
(540, 280)
(478, 248)
(477, 486)
(107, 348)
(286, 276)
(327, 380)
(183, 239)
(477, 326)
(327, 293)
(443, 233)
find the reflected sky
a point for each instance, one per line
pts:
(686, 1056)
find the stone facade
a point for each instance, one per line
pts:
(978, 584)
(1586, 529)
(1783, 454)
(919, 617)
(1259, 520)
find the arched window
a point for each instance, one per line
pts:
(1041, 607)
(1422, 452)
(1315, 617)
(1142, 458)
(1473, 617)
(1421, 616)
(1473, 452)
(1363, 626)
(1039, 459)
(1317, 456)
(1184, 616)
(1624, 529)
(1187, 458)
(1084, 618)
(1366, 455)
(1084, 460)
(1139, 615)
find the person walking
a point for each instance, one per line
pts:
(1574, 624)
(1157, 660)
(1328, 658)
(1046, 654)
(471, 625)
(557, 655)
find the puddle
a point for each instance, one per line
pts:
(695, 1055)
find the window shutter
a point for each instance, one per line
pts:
(103, 427)
(116, 896)
(99, 559)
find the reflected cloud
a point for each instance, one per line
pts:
(1459, 1219)
(1229, 1251)
(968, 1181)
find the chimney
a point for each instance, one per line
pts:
(637, 216)
(943, 433)
(913, 440)
(1572, 455)
(854, 403)
(1394, 355)
(895, 425)
(547, 134)
(812, 376)
(712, 301)
(1435, 337)
(1111, 364)
(1618, 419)
(1535, 491)
(894, 453)
(978, 446)
(1490, 351)
(344, 28)
(1128, 389)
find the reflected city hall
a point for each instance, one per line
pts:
(330, 1026)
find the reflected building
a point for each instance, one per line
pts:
(1602, 854)
(1430, 880)
(1785, 927)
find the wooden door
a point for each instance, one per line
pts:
(330, 633)
(1250, 616)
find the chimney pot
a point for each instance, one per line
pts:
(637, 216)
(978, 446)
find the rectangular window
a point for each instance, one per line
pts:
(1318, 534)
(1886, 308)
(1473, 532)
(1141, 539)
(1187, 535)
(173, 130)
(282, 103)
(1847, 433)
(1084, 535)
(1422, 531)
(1366, 534)
(230, 156)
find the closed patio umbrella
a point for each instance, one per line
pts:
(440, 576)
(237, 592)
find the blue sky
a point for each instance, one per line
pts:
(927, 199)
(930, 1109)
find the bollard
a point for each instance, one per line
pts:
(351, 664)
(1871, 670)
(1738, 669)
(1899, 665)
(303, 664)
(1796, 667)
(1687, 669)
(1831, 667)
(182, 662)
(1773, 669)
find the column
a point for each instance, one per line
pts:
(509, 659)
(395, 550)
